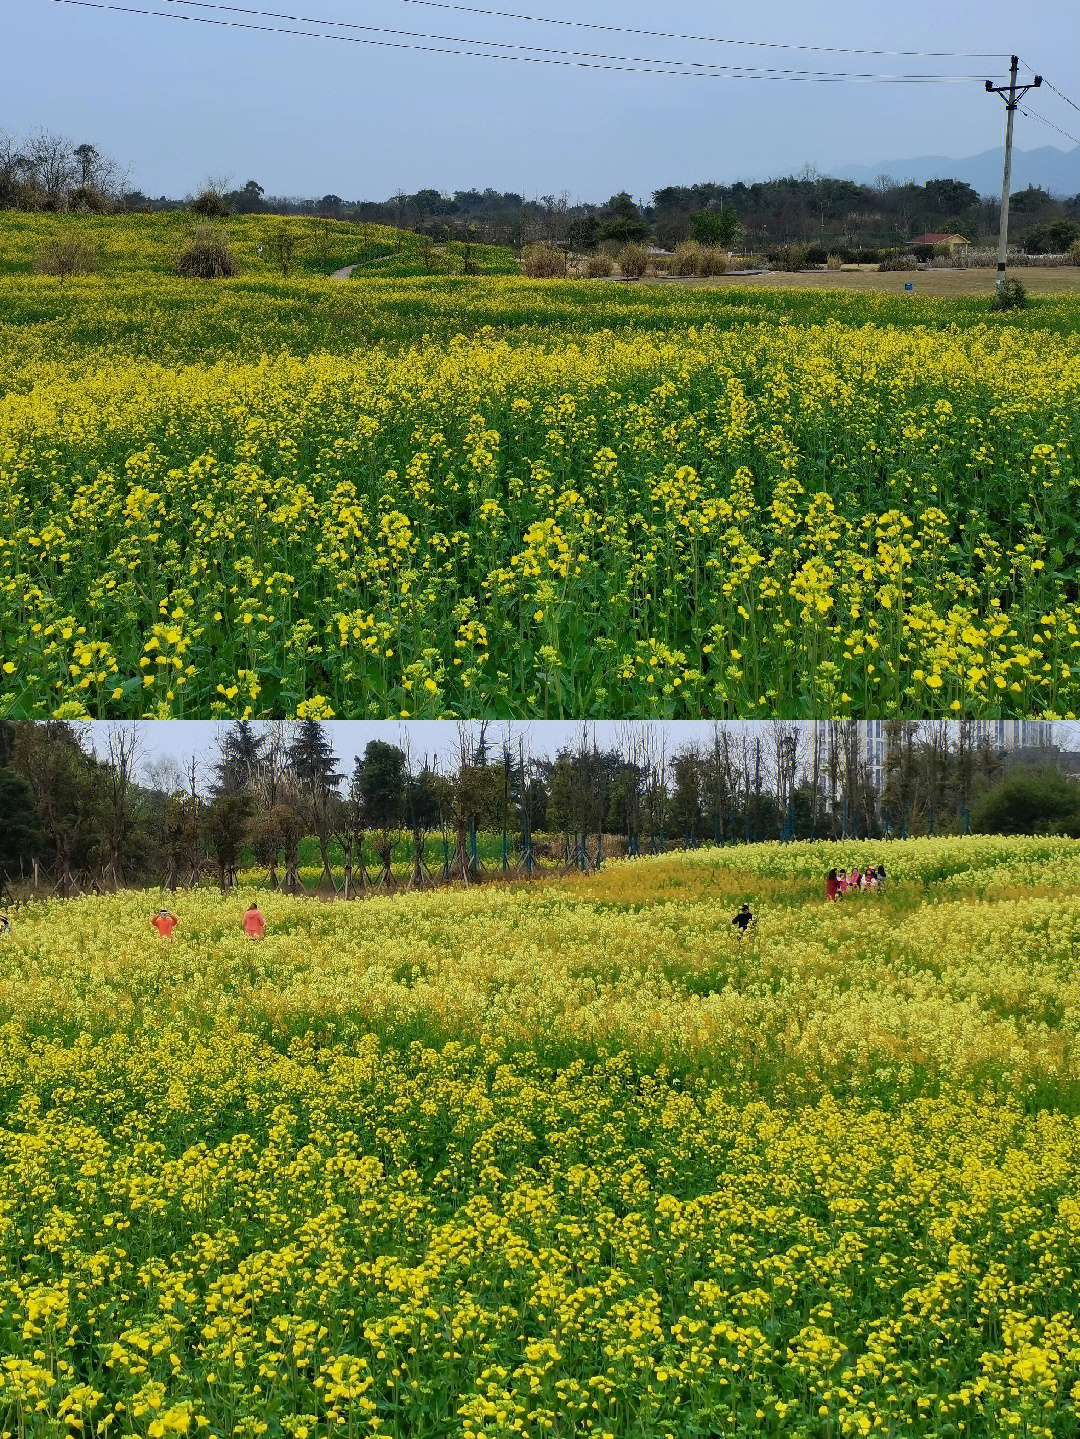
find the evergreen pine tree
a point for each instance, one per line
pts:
(312, 759)
(241, 751)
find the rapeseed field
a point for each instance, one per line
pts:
(568, 1158)
(410, 497)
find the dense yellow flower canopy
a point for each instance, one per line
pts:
(569, 1158)
(262, 499)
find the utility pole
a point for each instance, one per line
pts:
(1012, 95)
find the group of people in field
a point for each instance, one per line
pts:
(253, 923)
(839, 882)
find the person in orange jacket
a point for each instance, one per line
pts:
(253, 922)
(165, 923)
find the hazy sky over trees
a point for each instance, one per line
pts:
(181, 101)
(180, 739)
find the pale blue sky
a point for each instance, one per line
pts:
(181, 739)
(178, 102)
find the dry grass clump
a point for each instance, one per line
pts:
(206, 256)
(1073, 256)
(833, 262)
(713, 261)
(66, 255)
(685, 260)
(633, 262)
(543, 262)
(599, 266)
(693, 258)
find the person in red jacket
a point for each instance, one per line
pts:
(253, 922)
(165, 923)
(832, 885)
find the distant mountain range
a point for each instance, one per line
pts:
(1057, 171)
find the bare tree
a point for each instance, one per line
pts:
(786, 736)
(471, 795)
(272, 793)
(122, 759)
(633, 747)
(349, 827)
(52, 167)
(935, 738)
(284, 243)
(654, 784)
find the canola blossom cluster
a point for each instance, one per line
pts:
(562, 1159)
(695, 519)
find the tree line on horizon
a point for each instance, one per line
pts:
(78, 817)
(44, 171)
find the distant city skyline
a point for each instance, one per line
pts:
(179, 102)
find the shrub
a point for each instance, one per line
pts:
(599, 266)
(1030, 802)
(1053, 239)
(207, 256)
(88, 198)
(1074, 253)
(1009, 295)
(543, 262)
(66, 255)
(898, 263)
(633, 261)
(210, 203)
(584, 232)
(789, 258)
(833, 262)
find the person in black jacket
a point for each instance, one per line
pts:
(744, 919)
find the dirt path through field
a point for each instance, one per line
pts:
(344, 273)
(1037, 279)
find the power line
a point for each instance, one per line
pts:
(1061, 96)
(712, 39)
(573, 59)
(675, 35)
(753, 70)
(1032, 115)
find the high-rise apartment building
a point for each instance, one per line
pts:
(1003, 736)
